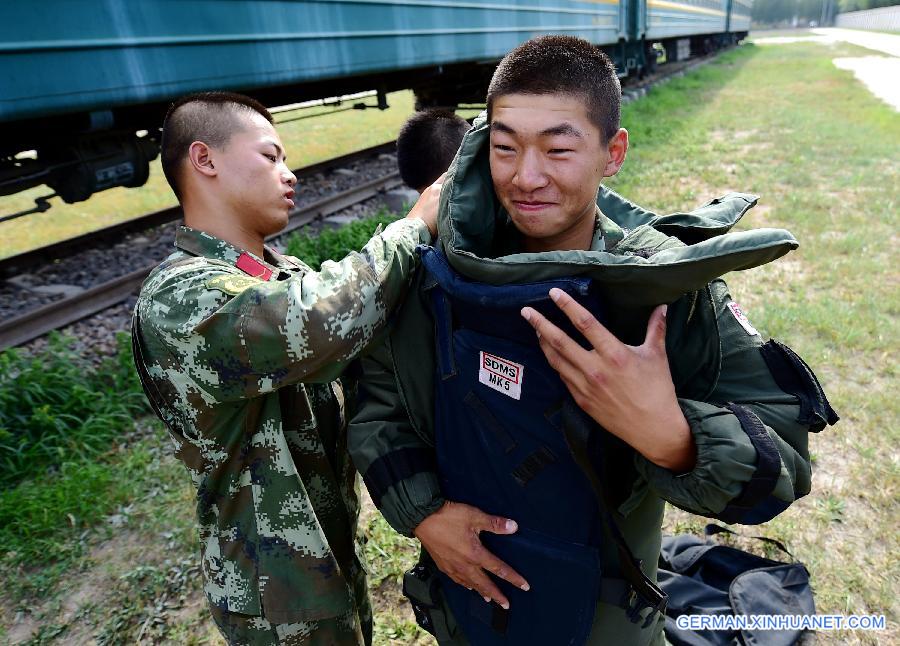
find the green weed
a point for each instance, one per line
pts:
(388, 554)
(56, 409)
(334, 244)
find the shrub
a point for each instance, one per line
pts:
(334, 244)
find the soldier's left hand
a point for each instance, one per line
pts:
(626, 389)
(426, 207)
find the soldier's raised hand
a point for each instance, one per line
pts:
(626, 389)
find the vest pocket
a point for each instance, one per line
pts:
(558, 609)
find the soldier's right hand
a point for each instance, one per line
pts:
(451, 537)
(426, 207)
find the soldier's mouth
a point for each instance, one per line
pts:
(530, 206)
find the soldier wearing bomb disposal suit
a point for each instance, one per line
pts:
(645, 383)
(240, 351)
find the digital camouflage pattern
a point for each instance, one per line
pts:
(352, 627)
(241, 357)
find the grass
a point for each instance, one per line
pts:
(389, 555)
(306, 142)
(55, 409)
(823, 154)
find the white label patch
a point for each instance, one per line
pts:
(742, 318)
(501, 375)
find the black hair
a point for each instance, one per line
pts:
(210, 117)
(427, 143)
(562, 65)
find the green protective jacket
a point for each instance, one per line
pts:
(725, 384)
(241, 356)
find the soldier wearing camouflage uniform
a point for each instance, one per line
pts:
(240, 351)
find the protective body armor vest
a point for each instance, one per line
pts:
(505, 444)
(509, 439)
(499, 447)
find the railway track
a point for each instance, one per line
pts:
(26, 260)
(58, 314)
(39, 321)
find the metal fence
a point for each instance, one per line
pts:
(885, 19)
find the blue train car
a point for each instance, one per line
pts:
(739, 16)
(667, 19)
(138, 52)
(80, 78)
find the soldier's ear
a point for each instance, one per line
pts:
(200, 157)
(617, 147)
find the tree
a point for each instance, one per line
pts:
(861, 5)
(779, 11)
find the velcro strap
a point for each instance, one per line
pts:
(532, 465)
(768, 466)
(795, 377)
(443, 332)
(395, 466)
(641, 592)
(485, 415)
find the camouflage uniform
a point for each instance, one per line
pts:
(240, 357)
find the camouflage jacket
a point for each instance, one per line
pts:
(240, 357)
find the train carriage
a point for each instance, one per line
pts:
(81, 78)
(667, 19)
(739, 16)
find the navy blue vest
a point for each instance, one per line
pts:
(499, 447)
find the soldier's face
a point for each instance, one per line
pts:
(257, 183)
(547, 160)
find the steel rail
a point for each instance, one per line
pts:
(53, 316)
(21, 262)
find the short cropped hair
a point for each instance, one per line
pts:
(210, 117)
(427, 143)
(562, 65)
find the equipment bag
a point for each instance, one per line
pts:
(504, 444)
(704, 578)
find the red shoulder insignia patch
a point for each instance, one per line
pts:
(251, 266)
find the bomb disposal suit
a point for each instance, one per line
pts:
(460, 404)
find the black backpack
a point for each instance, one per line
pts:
(704, 578)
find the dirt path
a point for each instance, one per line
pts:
(878, 73)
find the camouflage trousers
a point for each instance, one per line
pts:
(351, 629)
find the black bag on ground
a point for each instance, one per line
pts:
(704, 578)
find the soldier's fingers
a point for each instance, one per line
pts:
(487, 589)
(656, 329)
(585, 322)
(495, 524)
(503, 571)
(570, 372)
(548, 333)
